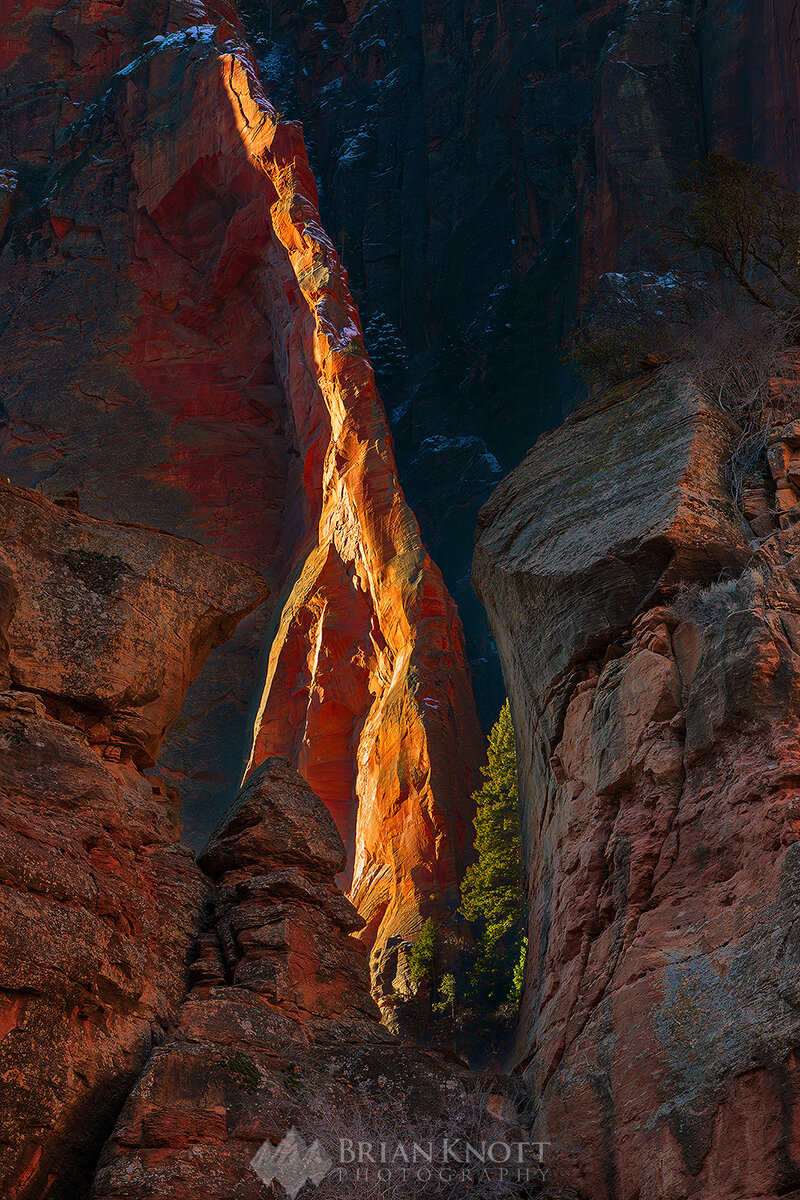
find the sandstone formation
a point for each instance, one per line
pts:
(279, 1031)
(481, 166)
(103, 626)
(650, 637)
(179, 347)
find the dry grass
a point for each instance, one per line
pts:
(358, 1119)
(706, 605)
(732, 360)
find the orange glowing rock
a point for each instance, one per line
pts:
(199, 365)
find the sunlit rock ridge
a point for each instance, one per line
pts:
(484, 166)
(191, 1007)
(179, 348)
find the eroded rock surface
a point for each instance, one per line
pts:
(111, 624)
(279, 1030)
(650, 640)
(180, 348)
(102, 629)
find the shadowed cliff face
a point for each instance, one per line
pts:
(104, 626)
(650, 643)
(481, 165)
(180, 348)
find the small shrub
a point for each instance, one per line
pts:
(606, 356)
(638, 320)
(98, 572)
(422, 960)
(244, 1071)
(515, 995)
(16, 732)
(293, 1081)
(353, 346)
(446, 1004)
(707, 605)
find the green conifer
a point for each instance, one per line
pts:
(491, 892)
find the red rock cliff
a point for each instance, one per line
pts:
(482, 165)
(102, 628)
(651, 640)
(181, 348)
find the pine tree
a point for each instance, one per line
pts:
(422, 960)
(447, 998)
(491, 892)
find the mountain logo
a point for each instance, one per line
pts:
(292, 1163)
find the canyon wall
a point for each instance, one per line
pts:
(650, 636)
(482, 166)
(102, 628)
(179, 348)
(182, 1013)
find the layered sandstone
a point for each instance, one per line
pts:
(651, 642)
(102, 628)
(180, 348)
(279, 1031)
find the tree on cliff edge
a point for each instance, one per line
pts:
(491, 892)
(743, 215)
(740, 226)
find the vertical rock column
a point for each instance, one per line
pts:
(181, 348)
(279, 1034)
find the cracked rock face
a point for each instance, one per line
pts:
(111, 624)
(180, 348)
(281, 922)
(102, 629)
(652, 647)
